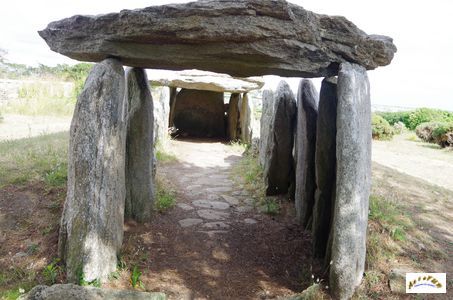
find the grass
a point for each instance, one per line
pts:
(42, 158)
(42, 99)
(51, 272)
(163, 155)
(135, 278)
(165, 196)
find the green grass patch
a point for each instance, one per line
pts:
(250, 173)
(165, 196)
(163, 155)
(390, 217)
(41, 158)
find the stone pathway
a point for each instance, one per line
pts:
(212, 202)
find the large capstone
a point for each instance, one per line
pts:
(91, 230)
(139, 147)
(279, 165)
(353, 180)
(233, 117)
(325, 161)
(238, 37)
(267, 112)
(307, 115)
(200, 113)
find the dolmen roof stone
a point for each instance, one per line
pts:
(239, 37)
(202, 80)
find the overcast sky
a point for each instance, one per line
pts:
(422, 30)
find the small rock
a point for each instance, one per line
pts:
(219, 189)
(210, 214)
(250, 221)
(231, 200)
(397, 280)
(189, 222)
(213, 233)
(20, 255)
(216, 225)
(211, 204)
(184, 206)
(244, 209)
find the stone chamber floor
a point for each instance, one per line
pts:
(216, 243)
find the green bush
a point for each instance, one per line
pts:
(381, 129)
(395, 117)
(423, 115)
(440, 133)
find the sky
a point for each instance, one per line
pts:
(419, 75)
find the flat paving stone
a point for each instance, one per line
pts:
(216, 225)
(193, 187)
(190, 222)
(210, 214)
(244, 209)
(230, 199)
(221, 189)
(211, 204)
(184, 206)
(213, 197)
(213, 233)
(250, 221)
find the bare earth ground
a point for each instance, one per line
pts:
(231, 250)
(19, 126)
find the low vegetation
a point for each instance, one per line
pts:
(440, 133)
(381, 129)
(165, 196)
(411, 119)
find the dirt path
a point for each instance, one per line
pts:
(418, 159)
(215, 244)
(19, 126)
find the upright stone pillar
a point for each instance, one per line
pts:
(233, 116)
(279, 165)
(161, 107)
(139, 147)
(353, 180)
(171, 117)
(325, 161)
(91, 230)
(246, 115)
(307, 115)
(265, 124)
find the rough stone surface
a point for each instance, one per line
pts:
(91, 230)
(265, 124)
(210, 214)
(279, 165)
(325, 161)
(161, 105)
(230, 199)
(353, 180)
(238, 37)
(200, 113)
(171, 117)
(233, 117)
(397, 279)
(76, 292)
(184, 206)
(207, 81)
(139, 148)
(216, 225)
(250, 221)
(190, 222)
(307, 115)
(246, 119)
(211, 204)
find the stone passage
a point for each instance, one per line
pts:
(91, 230)
(200, 113)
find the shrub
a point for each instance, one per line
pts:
(440, 133)
(399, 128)
(423, 115)
(395, 117)
(381, 129)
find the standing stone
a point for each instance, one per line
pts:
(173, 93)
(265, 124)
(161, 104)
(139, 147)
(91, 230)
(233, 116)
(325, 161)
(279, 165)
(307, 115)
(353, 180)
(246, 119)
(200, 113)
